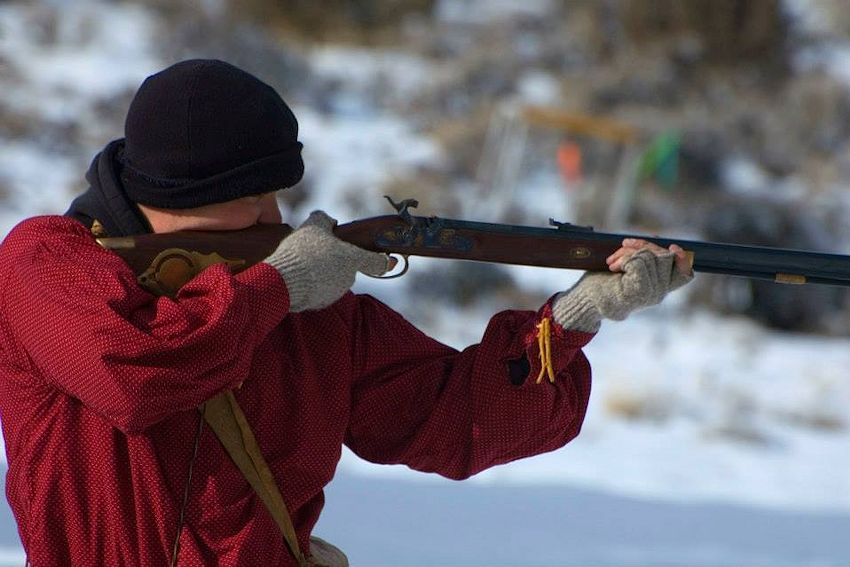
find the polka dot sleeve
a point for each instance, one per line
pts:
(91, 332)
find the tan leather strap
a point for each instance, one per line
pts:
(227, 420)
(222, 412)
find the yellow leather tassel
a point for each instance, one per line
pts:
(544, 344)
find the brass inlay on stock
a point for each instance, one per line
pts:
(794, 279)
(580, 253)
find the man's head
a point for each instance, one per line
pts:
(202, 133)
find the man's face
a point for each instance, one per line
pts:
(240, 213)
(231, 215)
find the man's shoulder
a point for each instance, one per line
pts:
(33, 233)
(46, 226)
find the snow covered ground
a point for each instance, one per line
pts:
(709, 440)
(408, 524)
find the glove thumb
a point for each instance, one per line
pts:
(375, 263)
(321, 220)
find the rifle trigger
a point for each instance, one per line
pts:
(569, 226)
(398, 275)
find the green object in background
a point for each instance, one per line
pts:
(661, 160)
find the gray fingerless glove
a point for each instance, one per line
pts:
(645, 280)
(319, 268)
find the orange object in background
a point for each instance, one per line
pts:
(569, 162)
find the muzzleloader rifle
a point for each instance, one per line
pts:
(164, 262)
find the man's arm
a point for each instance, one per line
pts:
(423, 404)
(93, 333)
(522, 391)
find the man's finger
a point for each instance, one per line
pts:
(634, 243)
(683, 262)
(619, 253)
(641, 244)
(618, 264)
(375, 263)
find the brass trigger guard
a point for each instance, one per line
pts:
(398, 275)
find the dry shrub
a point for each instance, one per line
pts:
(737, 419)
(819, 419)
(5, 191)
(366, 21)
(729, 30)
(634, 404)
(739, 432)
(462, 283)
(432, 188)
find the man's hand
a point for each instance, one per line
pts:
(633, 245)
(642, 273)
(319, 268)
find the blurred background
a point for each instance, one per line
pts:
(719, 425)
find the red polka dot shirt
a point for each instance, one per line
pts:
(100, 383)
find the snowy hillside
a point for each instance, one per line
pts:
(687, 407)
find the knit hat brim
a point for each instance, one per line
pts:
(271, 173)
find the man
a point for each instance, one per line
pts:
(100, 381)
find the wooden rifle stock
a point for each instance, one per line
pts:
(164, 261)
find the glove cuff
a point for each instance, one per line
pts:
(574, 310)
(295, 275)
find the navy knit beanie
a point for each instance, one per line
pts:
(203, 132)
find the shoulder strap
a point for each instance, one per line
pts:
(230, 425)
(227, 420)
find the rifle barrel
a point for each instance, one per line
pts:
(573, 247)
